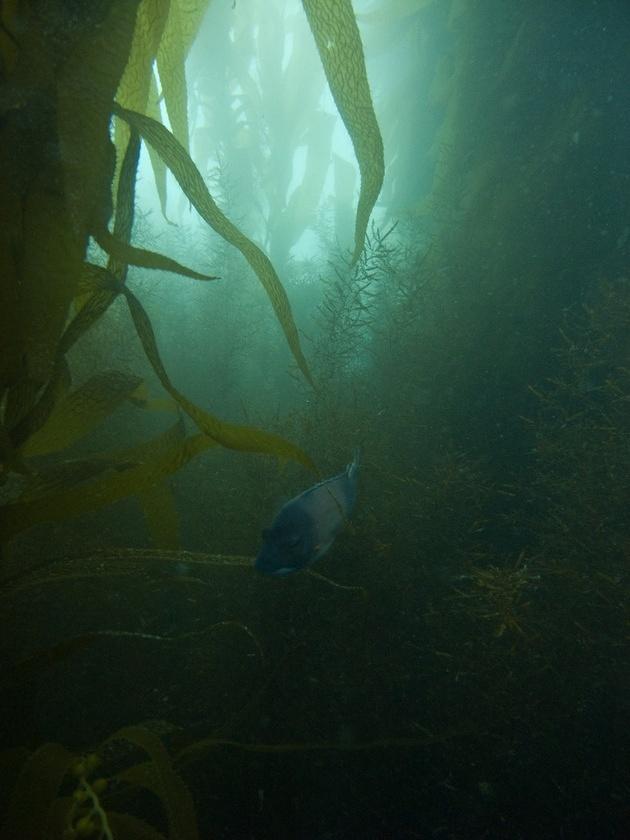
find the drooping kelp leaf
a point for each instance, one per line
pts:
(125, 204)
(160, 514)
(91, 305)
(35, 791)
(159, 168)
(184, 18)
(135, 85)
(80, 411)
(191, 181)
(124, 253)
(19, 399)
(39, 413)
(158, 776)
(339, 43)
(63, 494)
(243, 438)
(117, 245)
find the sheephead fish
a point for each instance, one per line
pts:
(306, 527)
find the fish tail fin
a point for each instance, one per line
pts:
(353, 468)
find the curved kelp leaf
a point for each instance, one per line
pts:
(243, 438)
(78, 413)
(63, 493)
(124, 253)
(117, 245)
(35, 791)
(135, 85)
(41, 410)
(337, 37)
(158, 776)
(125, 205)
(184, 18)
(157, 164)
(191, 181)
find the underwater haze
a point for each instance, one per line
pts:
(315, 419)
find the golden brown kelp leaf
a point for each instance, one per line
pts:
(243, 438)
(135, 85)
(127, 472)
(158, 776)
(35, 791)
(39, 413)
(160, 514)
(339, 43)
(184, 18)
(120, 251)
(91, 306)
(125, 204)
(190, 180)
(123, 253)
(159, 169)
(79, 412)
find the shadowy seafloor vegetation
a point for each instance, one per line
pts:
(237, 242)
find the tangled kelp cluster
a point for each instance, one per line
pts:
(55, 794)
(62, 71)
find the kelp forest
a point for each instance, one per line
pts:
(239, 243)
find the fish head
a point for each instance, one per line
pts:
(284, 550)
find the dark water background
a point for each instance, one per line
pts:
(473, 678)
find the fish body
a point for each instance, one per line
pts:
(306, 527)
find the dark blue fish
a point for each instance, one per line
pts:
(306, 526)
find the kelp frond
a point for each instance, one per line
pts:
(339, 44)
(191, 181)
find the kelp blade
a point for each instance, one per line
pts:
(126, 473)
(122, 252)
(339, 44)
(35, 791)
(243, 438)
(184, 18)
(160, 778)
(81, 411)
(191, 181)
